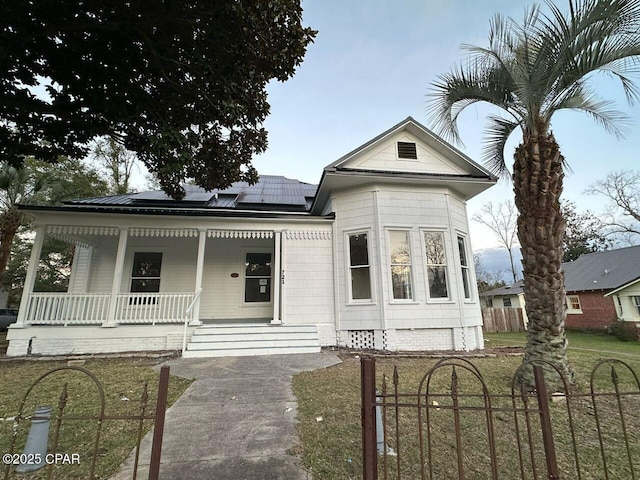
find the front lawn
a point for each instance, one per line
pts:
(578, 342)
(122, 381)
(329, 414)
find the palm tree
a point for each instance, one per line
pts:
(531, 71)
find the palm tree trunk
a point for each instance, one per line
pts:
(537, 179)
(10, 221)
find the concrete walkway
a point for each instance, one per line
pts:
(236, 421)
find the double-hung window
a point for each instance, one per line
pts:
(400, 261)
(636, 302)
(573, 304)
(436, 265)
(145, 276)
(359, 268)
(464, 267)
(257, 277)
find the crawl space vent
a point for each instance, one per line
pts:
(361, 339)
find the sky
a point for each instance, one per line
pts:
(371, 66)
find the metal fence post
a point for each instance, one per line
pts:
(158, 425)
(545, 422)
(368, 418)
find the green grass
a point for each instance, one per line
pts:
(593, 342)
(329, 414)
(122, 381)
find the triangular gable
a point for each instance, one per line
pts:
(385, 157)
(434, 155)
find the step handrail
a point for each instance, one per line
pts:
(187, 313)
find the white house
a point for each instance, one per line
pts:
(376, 256)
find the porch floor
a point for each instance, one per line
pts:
(235, 321)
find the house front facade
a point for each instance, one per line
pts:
(377, 255)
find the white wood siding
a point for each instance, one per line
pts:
(308, 292)
(377, 209)
(222, 295)
(355, 213)
(385, 157)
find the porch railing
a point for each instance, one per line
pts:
(67, 308)
(92, 308)
(152, 307)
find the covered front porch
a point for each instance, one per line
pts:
(135, 275)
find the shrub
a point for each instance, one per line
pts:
(625, 331)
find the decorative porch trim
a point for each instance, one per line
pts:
(81, 230)
(163, 232)
(307, 235)
(79, 242)
(240, 234)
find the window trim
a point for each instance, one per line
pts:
(635, 301)
(411, 266)
(465, 268)
(447, 270)
(133, 301)
(506, 300)
(243, 297)
(348, 280)
(570, 309)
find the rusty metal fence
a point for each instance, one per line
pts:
(452, 427)
(92, 427)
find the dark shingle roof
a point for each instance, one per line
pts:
(269, 193)
(603, 270)
(513, 289)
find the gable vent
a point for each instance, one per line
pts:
(407, 150)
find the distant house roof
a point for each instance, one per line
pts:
(607, 270)
(513, 289)
(270, 193)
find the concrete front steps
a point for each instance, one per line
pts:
(229, 340)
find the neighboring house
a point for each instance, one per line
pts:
(376, 256)
(509, 296)
(600, 287)
(603, 286)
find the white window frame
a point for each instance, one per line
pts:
(244, 276)
(348, 280)
(152, 301)
(635, 301)
(466, 269)
(570, 309)
(412, 298)
(447, 270)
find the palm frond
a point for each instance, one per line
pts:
(602, 111)
(498, 131)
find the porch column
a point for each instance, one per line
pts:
(276, 278)
(202, 239)
(30, 278)
(117, 278)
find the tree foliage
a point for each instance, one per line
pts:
(117, 162)
(40, 183)
(182, 84)
(584, 233)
